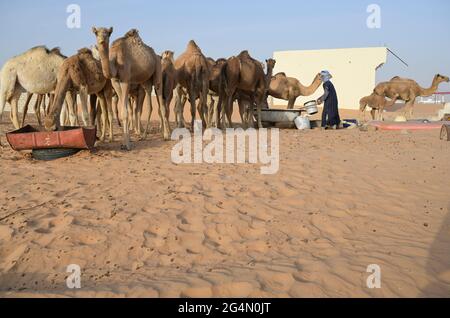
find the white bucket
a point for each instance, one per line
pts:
(302, 123)
(311, 107)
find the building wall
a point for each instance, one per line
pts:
(353, 70)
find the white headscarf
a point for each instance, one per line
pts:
(325, 76)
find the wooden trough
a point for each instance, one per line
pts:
(30, 138)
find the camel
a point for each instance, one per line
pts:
(244, 75)
(216, 90)
(377, 103)
(289, 88)
(130, 61)
(244, 100)
(193, 77)
(408, 90)
(169, 78)
(82, 73)
(34, 72)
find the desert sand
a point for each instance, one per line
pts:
(140, 226)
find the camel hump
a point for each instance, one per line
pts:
(245, 54)
(40, 48)
(85, 50)
(280, 74)
(132, 33)
(193, 46)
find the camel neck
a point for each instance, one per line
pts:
(104, 60)
(311, 89)
(429, 91)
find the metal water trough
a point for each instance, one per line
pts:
(30, 138)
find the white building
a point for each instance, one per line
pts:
(353, 70)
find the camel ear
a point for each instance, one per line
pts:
(94, 30)
(110, 30)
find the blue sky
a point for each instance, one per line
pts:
(415, 30)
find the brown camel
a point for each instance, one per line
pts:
(169, 78)
(244, 100)
(289, 88)
(216, 90)
(377, 103)
(193, 77)
(244, 75)
(81, 73)
(408, 90)
(131, 61)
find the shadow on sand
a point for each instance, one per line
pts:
(438, 263)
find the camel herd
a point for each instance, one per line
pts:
(116, 80)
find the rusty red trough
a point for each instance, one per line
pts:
(29, 138)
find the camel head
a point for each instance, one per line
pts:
(270, 63)
(438, 78)
(50, 123)
(102, 35)
(168, 55)
(318, 78)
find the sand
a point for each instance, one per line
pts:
(140, 226)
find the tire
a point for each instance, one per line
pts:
(53, 153)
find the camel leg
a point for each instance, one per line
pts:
(148, 101)
(291, 103)
(162, 106)
(180, 102)
(50, 102)
(192, 101)
(140, 105)
(123, 97)
(37, 108)
(25, 108)
(373, 113)
(211, 102)
(217, 110)
(115, 101)
(108, 93)
(250, 113)
(104, 115)
(225, 109)
(15, 109)
(70, 104)
(242, 112)
(203, 104)
(84, 107)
